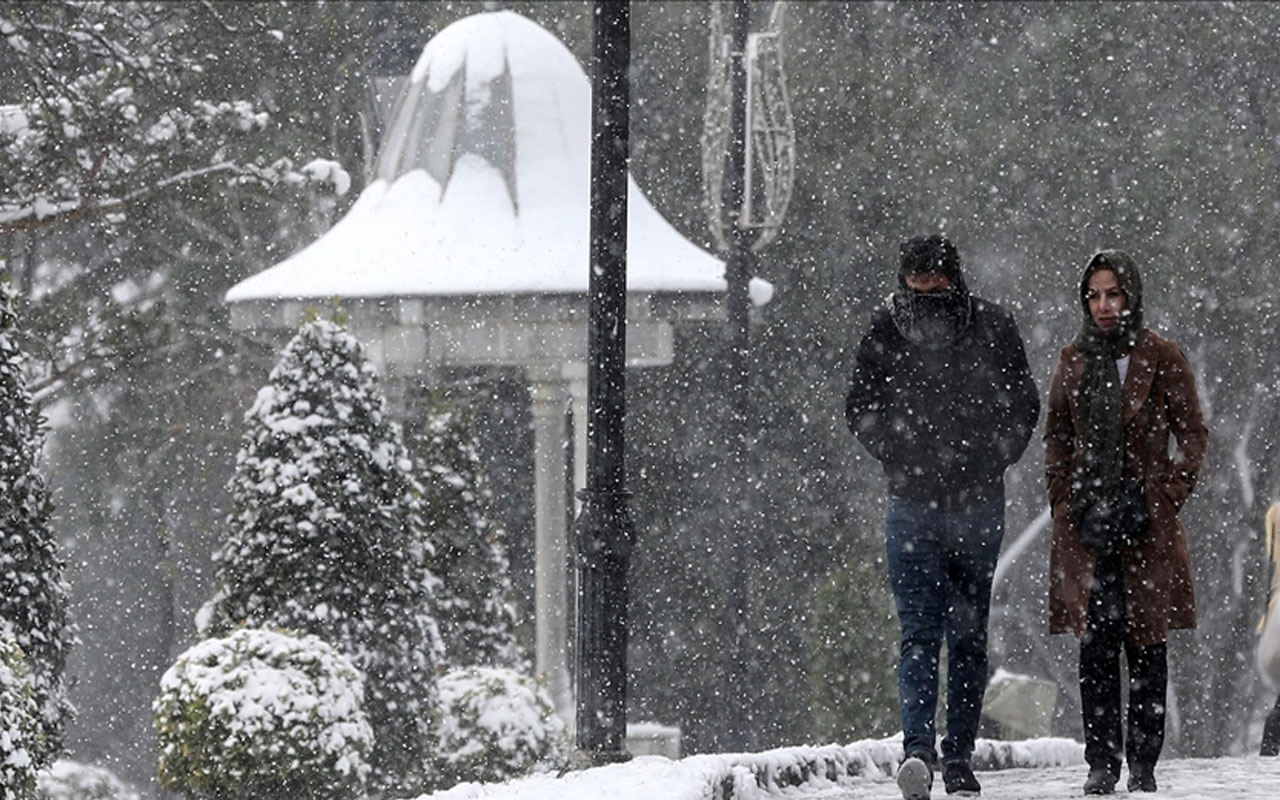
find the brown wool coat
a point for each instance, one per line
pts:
(1160, 400)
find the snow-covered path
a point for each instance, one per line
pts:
(863, 771)
(1249, 778)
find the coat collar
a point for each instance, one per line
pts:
(1142, 370)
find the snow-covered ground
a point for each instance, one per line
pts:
(1249, 778)
(1049, 769)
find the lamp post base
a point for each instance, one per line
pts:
(586, 759)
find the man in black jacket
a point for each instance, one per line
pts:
(942, 396)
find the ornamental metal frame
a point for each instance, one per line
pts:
(771, 141)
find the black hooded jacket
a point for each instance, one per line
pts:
(945, 423)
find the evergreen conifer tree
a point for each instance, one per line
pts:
(477, 619)
(852, 648)
(19, 730)
(327, 539)
(33, 593)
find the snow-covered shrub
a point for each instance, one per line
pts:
(19, 728)
(33, 594)
(262, 714)
(72, 780)
(326, 537)
(495, 724)
(477, 620)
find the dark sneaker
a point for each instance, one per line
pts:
(1142, 777)
(958, 778)
(915, 778)
(1100, 781)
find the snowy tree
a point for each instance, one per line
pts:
(33, 594)
(853, 647)
(496, 724)
(476, 617)
(263, 714)
(125, 128)
(141, 174)
(19, 727)
(111, 119)
(327, 537)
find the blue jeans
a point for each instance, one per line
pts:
(940, 566)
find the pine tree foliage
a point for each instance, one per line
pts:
(19, 730)
(33, 594)
(327, 537)
(477, 619)
(852, 646)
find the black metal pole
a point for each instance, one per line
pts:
(603, 533)
(741, 528)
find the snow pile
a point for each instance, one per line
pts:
(774, 772)
(18, 730)
(72, 780)
(262, 709)
(496, 724)
(323, 170)
(989, 754)
(13, 120)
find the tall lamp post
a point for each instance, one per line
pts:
(603, 534)
(748, 172)
(738, 269)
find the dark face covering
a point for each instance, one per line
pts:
(931, 320)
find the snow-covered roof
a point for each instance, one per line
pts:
(482, 186)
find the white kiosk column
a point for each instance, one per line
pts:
(548, 392)
(576, 373)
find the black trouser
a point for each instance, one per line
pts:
(1271, 732)
(1106, 635)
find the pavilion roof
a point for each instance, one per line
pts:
(482, 186)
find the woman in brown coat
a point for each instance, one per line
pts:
(1120, 571)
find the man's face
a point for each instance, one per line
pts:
(1105, 298)
(928, 282)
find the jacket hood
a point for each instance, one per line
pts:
(936, 253)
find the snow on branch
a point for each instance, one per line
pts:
(38, 211)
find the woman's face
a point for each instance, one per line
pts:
(1105, 298)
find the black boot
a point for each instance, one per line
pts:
(958, 778)
(1142, 777)
(1101, 781)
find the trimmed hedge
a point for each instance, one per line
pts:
(496, 724)
(263, 714)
